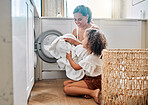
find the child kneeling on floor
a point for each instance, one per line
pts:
(90, 86)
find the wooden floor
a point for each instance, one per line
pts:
(50, 92)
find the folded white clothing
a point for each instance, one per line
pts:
(60, 47)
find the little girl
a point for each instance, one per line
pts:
(90, 86)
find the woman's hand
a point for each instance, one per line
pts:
(72, 41)
(68, 55)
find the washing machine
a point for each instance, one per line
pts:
(51, 28)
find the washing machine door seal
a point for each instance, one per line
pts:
(35, 60)
(42, 44)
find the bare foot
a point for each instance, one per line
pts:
(96, 96)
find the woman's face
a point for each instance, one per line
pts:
(80, 20)
(85, 40)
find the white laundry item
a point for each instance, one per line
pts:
(78, 53)
(74, 75)
(62, 63)
(60, 47)
(46, 47)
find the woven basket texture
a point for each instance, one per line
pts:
(125, 76)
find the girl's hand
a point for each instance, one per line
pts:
(68, 55)
(72, 41)
(72, 63)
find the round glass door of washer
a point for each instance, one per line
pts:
(43, 43)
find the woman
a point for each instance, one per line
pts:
(82, 18)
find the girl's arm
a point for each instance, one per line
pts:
(72, 63)
(72, 41)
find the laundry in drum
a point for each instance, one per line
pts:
(48, 40)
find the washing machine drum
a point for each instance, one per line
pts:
(43, 43)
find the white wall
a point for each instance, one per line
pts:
(133, 11)
(99, 8)
(37, 4)
(141, 6)
(6, 81)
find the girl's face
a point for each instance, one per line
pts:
(85, 40)
(80, 20)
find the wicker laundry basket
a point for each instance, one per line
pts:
(125, 76)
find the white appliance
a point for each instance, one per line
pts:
(51, 28)
(22, 50)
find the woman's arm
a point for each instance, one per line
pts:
(72, 63)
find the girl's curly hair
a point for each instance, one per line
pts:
(96, 41)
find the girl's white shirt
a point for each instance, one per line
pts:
(91, 65)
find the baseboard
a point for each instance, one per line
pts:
(54, 75)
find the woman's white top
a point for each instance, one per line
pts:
(91, 65)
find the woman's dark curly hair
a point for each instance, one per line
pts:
(84, 11)
(96, 41)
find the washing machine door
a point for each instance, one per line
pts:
(43, 43)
